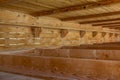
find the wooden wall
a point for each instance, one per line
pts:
(64, 64)
(18, 30)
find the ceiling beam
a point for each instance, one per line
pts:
(99, 21)
(116, 26)
(91, 16)
(4, 2)
(105, 24)
(76, 7)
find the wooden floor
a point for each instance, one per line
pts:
(9, 76)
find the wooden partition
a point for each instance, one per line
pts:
(15, 37)
(73, 53)
(19, 31)
(74, 64)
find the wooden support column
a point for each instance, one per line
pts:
(95, 37)
(63, 33)
(36, 31)
(103, 36)
(82, 33)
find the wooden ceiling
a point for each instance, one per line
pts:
(104, 13)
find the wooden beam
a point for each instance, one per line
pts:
(91, 16)
(104, 46)
(76, 7)
(112, 26)
(105, 24)
(99, 21)
(20, 19)
(63, 32)
(4, 2)
(97, 47)
(103, 66)
(118, 28)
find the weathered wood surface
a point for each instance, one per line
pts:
(101, 64)
(71, 53)
(10, 76)
(25, 31)
(103, 46)
(21, 19)
(24, 37)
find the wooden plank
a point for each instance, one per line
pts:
(73, 68)
(17, 41)
(19, 19)
(106, 24)
(91, 16)
(116, 25)
(6, 1)
(18, 35)
(76, 7)
(98, 47)
(2, 41)
(99, 21)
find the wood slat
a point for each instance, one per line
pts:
(91, 16)
(104, 46)
(73, 68)
(103, 24)
(116, 25)
(99, 21)
(76, 7)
